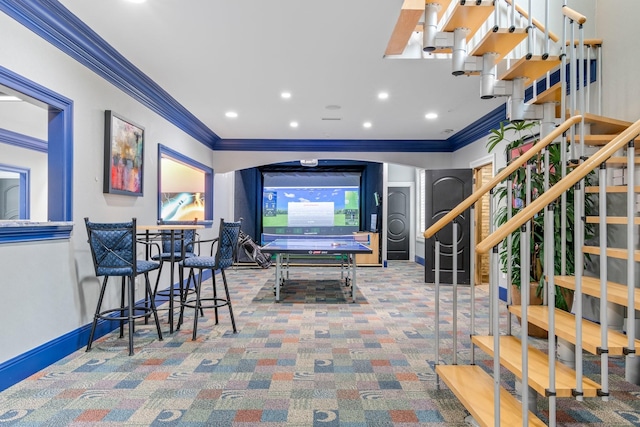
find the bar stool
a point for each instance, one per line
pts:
(113, 249)
(227, 244)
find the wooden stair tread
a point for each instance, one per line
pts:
(622, 160)
(618, 220)
(474, 388)
(611, 252)
(511, 358)
(500, 42)
(566, 327)
(616, 293)
(595, 140)
(602, 124)
(470, 16)
(410, 14)
(552, 94)
(612, 189)
(532, 69)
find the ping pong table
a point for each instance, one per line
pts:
(345, 247)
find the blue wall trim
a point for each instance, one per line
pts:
(30, 233)
(23, 141)
(56, 24)
(53, 22)
(27, 364)
(59, 157)
(337, 145)
(479, 129)
(24, 210)
(208, 179)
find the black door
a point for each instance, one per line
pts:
(445, 189)
(398, 206)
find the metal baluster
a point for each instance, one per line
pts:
(579, 264)
(437, 296)
(454, 279)
(551, 290)
(631, 265)
(604, 323)
(472, 278)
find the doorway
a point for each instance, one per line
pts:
(482, 175)
(398, 222)
(444, 190)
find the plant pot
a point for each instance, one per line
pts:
(534, 331)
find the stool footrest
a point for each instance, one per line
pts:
(217, 303)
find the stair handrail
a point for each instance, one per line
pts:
(501, 176)
(573, 15)
(534, 21)
(560, 187)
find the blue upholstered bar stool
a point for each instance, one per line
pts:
(113, 248)
(226, 244)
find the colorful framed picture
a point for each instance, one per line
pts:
(123, 155)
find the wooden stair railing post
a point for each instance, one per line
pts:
(602, 230)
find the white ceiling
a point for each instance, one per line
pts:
(213, 56)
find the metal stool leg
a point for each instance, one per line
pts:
(97, 314)
(226, 291)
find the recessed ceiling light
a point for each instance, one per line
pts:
(431, 116)
(366, 125)
(136, 1)
(293, 124)
(383, 95)
(4, 98)
(231, 114)
(285, 95)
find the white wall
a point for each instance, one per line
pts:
(49, 288)
(227, 161)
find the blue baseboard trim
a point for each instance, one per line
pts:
(502, 293)
(419, 260)
(23, 366)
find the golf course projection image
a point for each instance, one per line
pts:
(317, 209)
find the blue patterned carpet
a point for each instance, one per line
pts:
(313, 360)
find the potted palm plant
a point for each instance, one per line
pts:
(519, 137)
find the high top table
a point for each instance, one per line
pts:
(316, 245)
(176, 233)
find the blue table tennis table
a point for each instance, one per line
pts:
(345, 247)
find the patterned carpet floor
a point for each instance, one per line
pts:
(314, 359)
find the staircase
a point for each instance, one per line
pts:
(512, 54)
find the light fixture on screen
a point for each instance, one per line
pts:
(285, 95)
(293, 124)
(231, 114)
(431, 116)
(309, 162)
(366, 125)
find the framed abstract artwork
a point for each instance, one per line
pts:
(123, 156)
